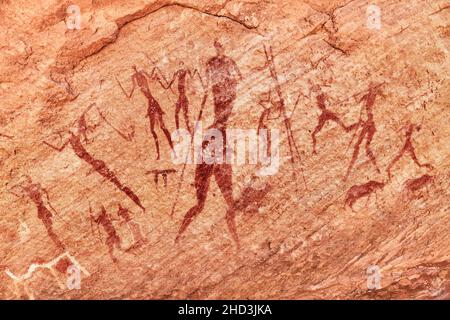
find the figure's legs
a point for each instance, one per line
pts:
(110, 244)
(223, 175)
(102, 169)
(203, 174)
(177, 114)
(315, 132)
(369, 153)
(155, 136)
(164, 129)
(355, 153)
(54, 237)
(393, 162)
(186, 115)
(416, 161)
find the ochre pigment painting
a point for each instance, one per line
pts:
(233, 149)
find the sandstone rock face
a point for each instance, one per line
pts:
(358, 207)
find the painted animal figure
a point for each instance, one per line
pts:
(413, 185)
(358, 191)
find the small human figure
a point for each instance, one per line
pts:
(138, 239)
(367, 128)
(112, 238)
(358, 191)
(325, 116)
(182, 103)
(75, 141)
(223, 75)
(154, 111)
(408, 148)
(39, 196)
(163, 173)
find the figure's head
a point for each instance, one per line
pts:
(219, 48)
(321, 100)
(181, 64)
(134, 67)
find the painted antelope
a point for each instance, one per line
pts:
(358, 191)
(413, 185)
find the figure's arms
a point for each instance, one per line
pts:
(59, 149)
(236, 69)
(160, 76)
(196, 72)
(127, 137)
(133, 80)
(17, 194)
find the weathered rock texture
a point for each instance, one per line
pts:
(296, 241)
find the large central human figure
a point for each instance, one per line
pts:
(222, 75)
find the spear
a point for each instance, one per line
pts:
(291, 142)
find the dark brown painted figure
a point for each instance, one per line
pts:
(325, 116)
(408, 148)
(112, 238)
(154, 111)
(359, 191)
(223, 75)
(182, 103)
(99, 166)
(367, 128)
(36, 194)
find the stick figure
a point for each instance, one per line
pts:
(154, 111)
(97, 165)
(182, 102)
(408, 148)
(39, 196)
(325, 116)
(222, 74)
(367, 128)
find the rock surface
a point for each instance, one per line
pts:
(299, 237)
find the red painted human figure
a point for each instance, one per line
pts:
(182, 103)
(139, 239)
(223, 75)
(75, 142)
(324, 117)
(112, 238)
(367, 128)
(39, 196)
(408, 148)
(154, 111)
